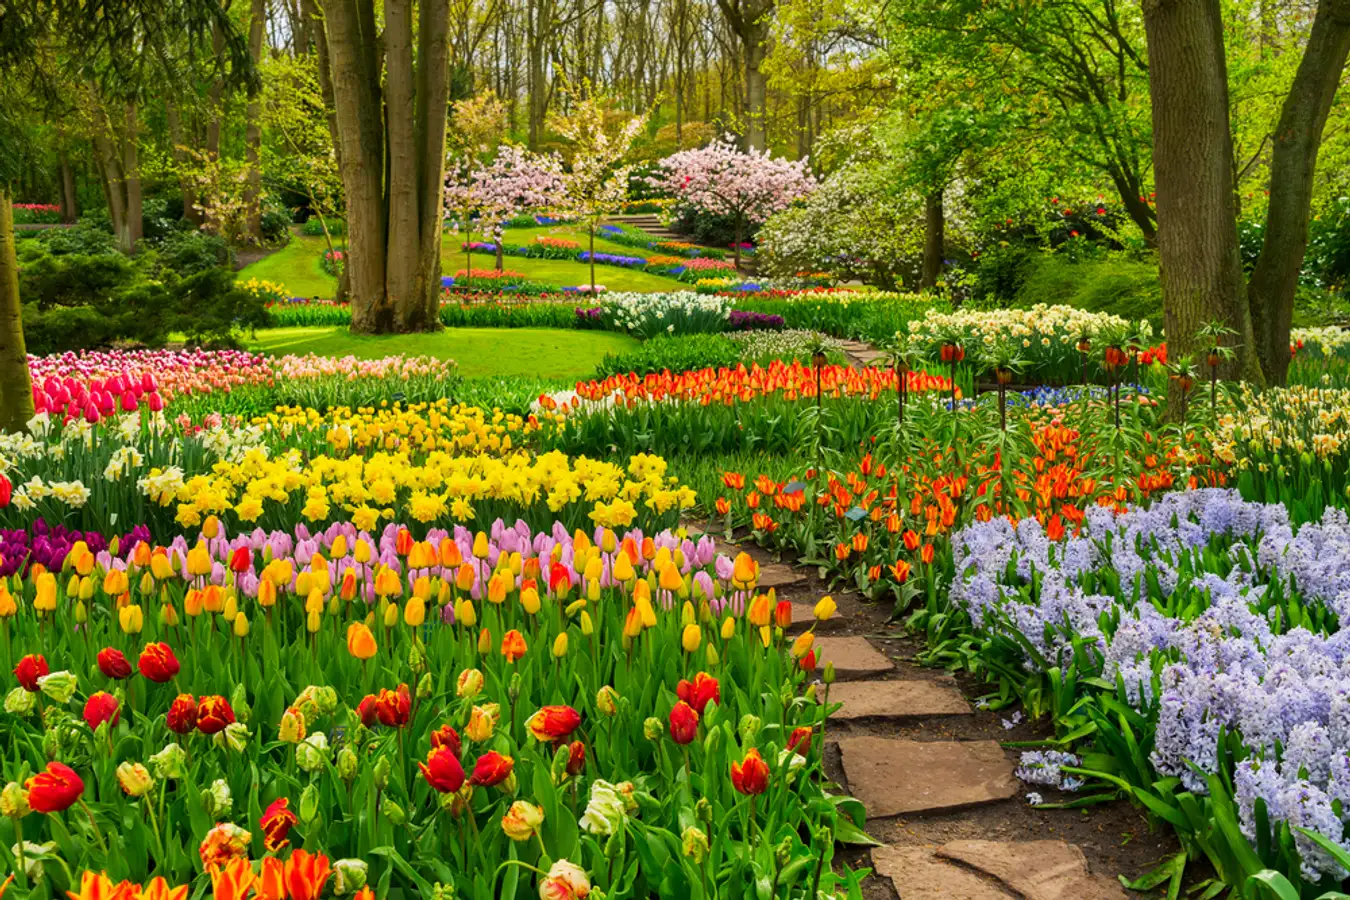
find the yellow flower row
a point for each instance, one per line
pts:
(1297, 419)
(420, 427)
(393, 485)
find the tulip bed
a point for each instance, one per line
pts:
(495, 713)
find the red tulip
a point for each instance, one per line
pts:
(101, 707)
(113, 664)
(393, 707)
(54, 790)
(491, 768)
(30, 669)
(576, 758)
(158, 663)
(365, 710)
(683, 723)
(699, 692)
(443, 771)
(182, 715)
(276, 823)
(241, 560)
(782, 614)
(6, 490)
(446, 736)
(213, 714)
(799, 741)
(553, 723)
(752, 776)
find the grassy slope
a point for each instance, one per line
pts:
(542, 352)
(296, 266)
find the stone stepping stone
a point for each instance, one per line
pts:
(780, 577)
(913, 699)
(893, 777)
(917, 874)
(804, 615)
(1036, 870)
(853, 657)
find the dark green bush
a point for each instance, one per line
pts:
(191, 252)
(314, 228)
(276, 224)
(676, 353)
(1124, 287)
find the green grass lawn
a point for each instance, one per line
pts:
(296, 266)
(542, 352)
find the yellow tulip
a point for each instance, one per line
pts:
(593, 590)
(484, 642)
(8, 607)
(168, 615)
(415, 613)
(131, 619)
(312, 622)
(497, 587)
(825, 609)
(560, 645)
(363, 551)
(304, 584)
(360, 641)
(482, 722)
(422, 588)
(608, 541)
(802, 645)
(160, 566)
(623, 568)
(691, 638)
(241, 626)
(390, 615)
(231, 608)
(115, 582)
(199, 560)
(480, 545)
(464, 577)
(211, 527)
(760, 611)
(728, 628)
(529, 599)
(314, 602)
(46, 593)
(644, 607)
(745, 571)
(465, 614)
(267, 593)
(339, 548)
(587, 628)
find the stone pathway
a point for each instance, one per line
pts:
(906, 780)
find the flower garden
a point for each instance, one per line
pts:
(294, 626)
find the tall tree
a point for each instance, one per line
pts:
(103, 35)
(1193, 168)
(749, 21)
(1293, 165)
(392, 168)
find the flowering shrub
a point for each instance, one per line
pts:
(743, 320)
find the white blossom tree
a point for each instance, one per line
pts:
(513, 183)
(723, 180)
(596, 184)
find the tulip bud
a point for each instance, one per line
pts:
(312, 753)
(587, 626)
(170, 763)
(484, 642)
(309, 804)
(14, 801)
(349, 876)
(347, 765)
(559, 768)
(703, 811)
(424, 687)
(710, 653)
(606, 700)
(239, 703)
(828, 677)
(749, 728)
(652, 729)
(513, 688)
(19, 702)
(218, 800)
(614, 846)
(81, 613)
(695, 844)
(416, 661)
(395, 812)
(382, 773)
(240, 625)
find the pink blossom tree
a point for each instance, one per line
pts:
(723, 180)
(515, 182)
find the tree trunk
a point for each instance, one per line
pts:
(1297, 139)
(361, 138)
(253, 132)
(1192, 152)
(69, 204)
(433, 95)
(131, 170)
(401, 256)
(755, 90)
(309, 10)
(736, 247)
(16, 386)
(934, 238)
(191, 212)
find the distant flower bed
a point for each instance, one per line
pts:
(333, 261)
(36, 214)
(613, 259)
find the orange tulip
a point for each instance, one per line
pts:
(513, 645)
(360, 642)
(306, 874)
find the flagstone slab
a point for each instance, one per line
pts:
(1036, 870)
(895, 777)
(898, 700)
(780, 577)
(853, 657)
(916, 873)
